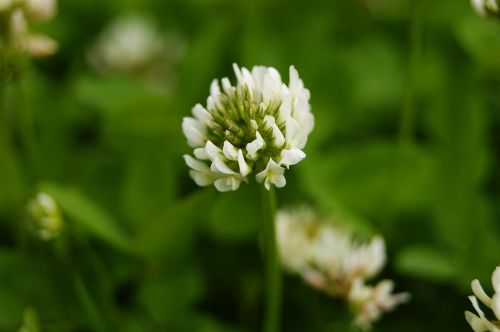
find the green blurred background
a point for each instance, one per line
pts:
(406, 96)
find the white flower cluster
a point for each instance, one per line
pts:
(332, 261)
(15, 36)
(481, 323)
(258, 126)
(488, 8)
(45, 218)
(134, 45)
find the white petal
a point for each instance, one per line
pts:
(475, 304)
(201, 114)
(194, 132)
(230, 151)
(229, 183)
(226, 85)
(295, 82)
(213, 151)
(238, 74)
(254, 124)
(278, 138)
(214, 88)
(291, 157)
(480, 293)
(255, 145)
(475, 322)
(244, 168)
(377, 255)
(219, 166)
(272, 174)
(272, 87)
(202, 178)
(495, 279)
(201, 153)
(495, 305)
(195, 164)
(292, 132)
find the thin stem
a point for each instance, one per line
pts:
(27, 125)
(272, 264)
(88, 304)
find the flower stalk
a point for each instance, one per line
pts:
(272, 264)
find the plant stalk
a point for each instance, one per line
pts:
(272, 272)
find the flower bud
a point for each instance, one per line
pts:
(45, 219)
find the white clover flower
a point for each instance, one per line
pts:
(40, 10)
(45, 218)
(369, 303)
(327, 257)
(258, 126)
(133, 45)
(15, 35)
(488, 8)
(481, 323)
(333, 261)
(128, 43)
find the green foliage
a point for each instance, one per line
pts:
(144, 249)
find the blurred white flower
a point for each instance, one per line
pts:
(40, 10)
(45, 217)
(480, 323)
(15, 35)
(333, 261)
(369, 303)
(134, 45)
(489, 8)
(327, 257)
(258, 126)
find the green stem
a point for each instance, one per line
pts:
(88, 304)
(272, 264)
(27, 126)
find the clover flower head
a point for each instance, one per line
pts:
(258, 126)
(327, 257)
(127, 44)
(487, 8)
(134, 46)
(45, 219)
(40, 10)
(16, 37)
(480, 323)
(332, 260)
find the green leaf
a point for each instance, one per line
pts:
(425, 262)
(88, 214)
(371, 177)
(148, 186)
(169, 296)
(173, 230)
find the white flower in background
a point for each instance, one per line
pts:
(480, 323)
(369, 303)
(333, 261)
(15, 35)
(45, 217)
(258, 126)
(327, 257)
(134, 45)
(40, 10)
(489, 8)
